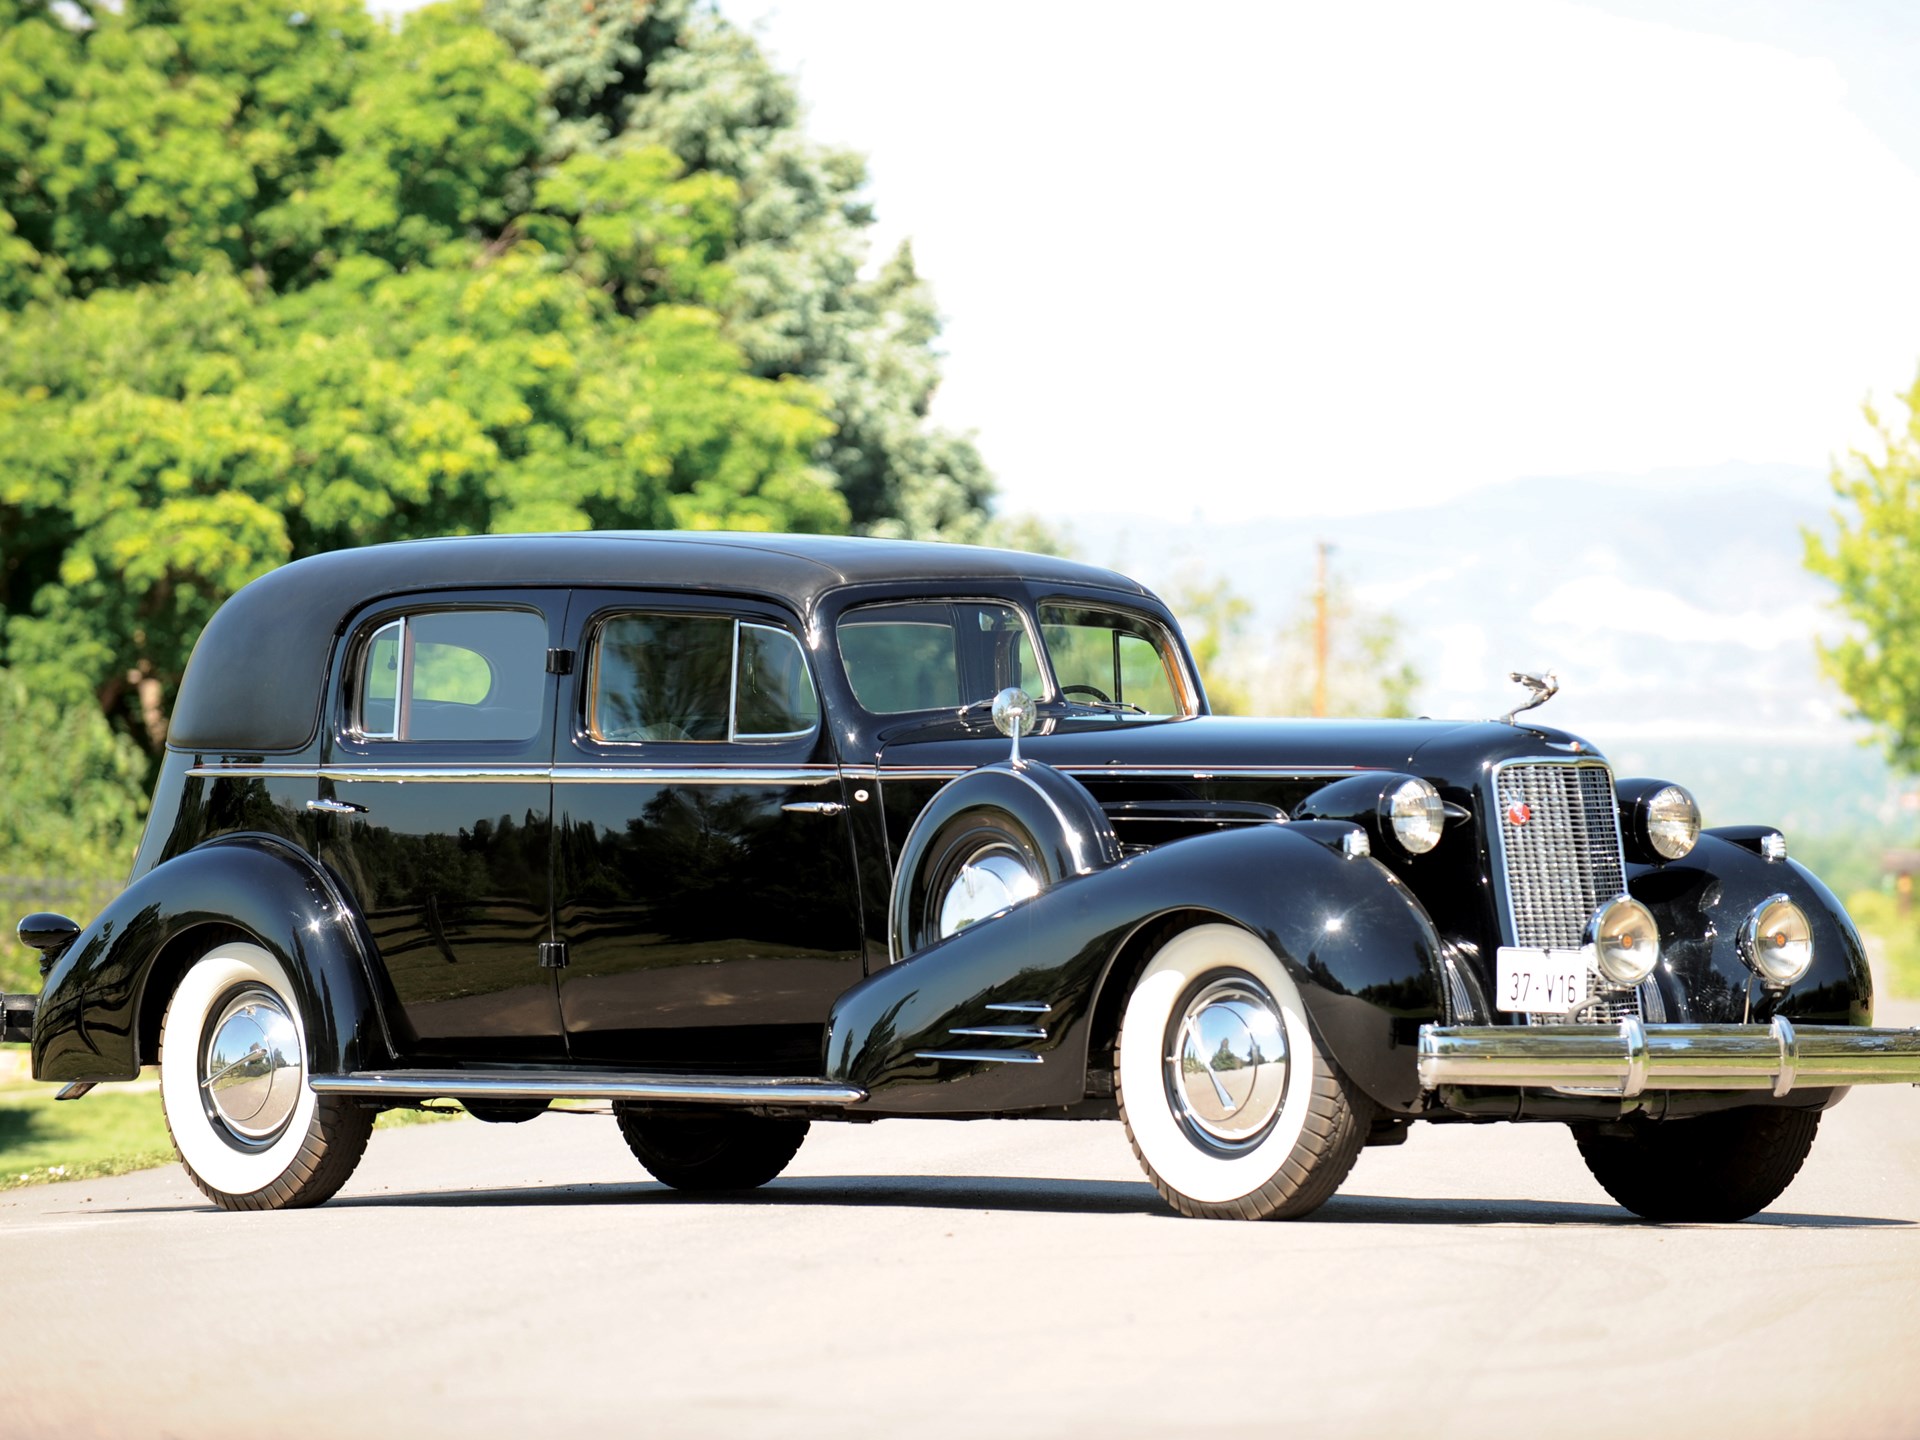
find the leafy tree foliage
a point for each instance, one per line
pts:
(277, 280)
(1873, 559)
(665, 73)
(73, 787)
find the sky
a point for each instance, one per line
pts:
(1289, 259)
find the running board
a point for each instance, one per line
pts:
(586, 1085)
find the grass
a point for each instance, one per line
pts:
(110, 1132)
(1892, 938)
(113, 1131)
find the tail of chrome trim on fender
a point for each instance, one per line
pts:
(982, 1057)
(1632, 1058)
(586, 1085)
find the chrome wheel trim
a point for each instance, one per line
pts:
(251, 1075)
(991, 880)
(1227, 1063)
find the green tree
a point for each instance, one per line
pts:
(679, 77)
(275, 281)
(1873, 560)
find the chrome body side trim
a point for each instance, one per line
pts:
(980, 1057)
(1632, 1058)
(1021, 1007)
(1118, 772)
(586, 1085)
(694, 774)
(518, 774)
(1005, 1032)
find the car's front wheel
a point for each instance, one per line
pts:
(1710, 1168)
(233, 1083)
(1232, 1107)
(720, 1151)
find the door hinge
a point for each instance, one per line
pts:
(559, 662)
(553, 954)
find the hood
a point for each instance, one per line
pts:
(1446, 751)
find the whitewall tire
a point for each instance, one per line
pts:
(1232, 1109)
(233, 1082)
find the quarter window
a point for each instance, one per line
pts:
(454, 675)
(698, 677)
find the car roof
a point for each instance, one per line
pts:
(254, 680)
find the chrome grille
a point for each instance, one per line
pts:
(1562, 864)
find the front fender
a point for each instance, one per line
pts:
(89, 1022)
(1702, 901)
(1354, 939)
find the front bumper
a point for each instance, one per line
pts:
(1634, 1058)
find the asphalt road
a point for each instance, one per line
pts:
(983, 1279)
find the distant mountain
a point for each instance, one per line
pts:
(1673, 605)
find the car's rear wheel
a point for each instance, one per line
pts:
(233, 1084)
(721, 1151)
(1707, 1169)
(1233, 1109)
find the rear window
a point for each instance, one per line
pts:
(454, 675)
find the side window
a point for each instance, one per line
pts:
(774, 695)
(453, 675)
(935, 654)
(697, 677)
(1106, 655)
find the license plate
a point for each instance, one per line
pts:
(1540, 982)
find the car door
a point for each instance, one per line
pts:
(705, 886)
(436, 806)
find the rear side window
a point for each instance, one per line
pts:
(698, 677)
(453, 675)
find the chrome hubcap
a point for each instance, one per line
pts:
(1227, 1063)
(986, 885)
(251, 1071)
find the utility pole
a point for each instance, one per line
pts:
(1320, 632)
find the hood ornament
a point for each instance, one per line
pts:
(1542, 688)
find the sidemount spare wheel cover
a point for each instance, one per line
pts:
(1232, 1108)
(233, 1084)
(991, 838)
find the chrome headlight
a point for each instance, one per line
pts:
(1777, 942)
(1658, 821)
(1626, 941)
(1417, 814)
(1673, 822)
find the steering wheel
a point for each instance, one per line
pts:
(1095, 691)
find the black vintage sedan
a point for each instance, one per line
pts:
(738, 833)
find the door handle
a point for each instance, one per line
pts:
(336, 807)
(813, 807)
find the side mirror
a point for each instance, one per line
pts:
(1014, 716)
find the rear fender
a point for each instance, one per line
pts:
(1354, 939)
(106, 991)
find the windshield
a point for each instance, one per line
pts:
(946, 654)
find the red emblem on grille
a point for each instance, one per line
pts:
(1520, 812)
